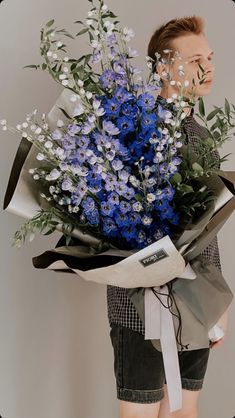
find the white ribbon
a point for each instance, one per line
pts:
(159, 325)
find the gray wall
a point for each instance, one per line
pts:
(56, 358)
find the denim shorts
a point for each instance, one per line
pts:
(139, 368)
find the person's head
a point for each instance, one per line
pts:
(186, 39)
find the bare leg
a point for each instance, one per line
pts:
(189, 405)
(138, 410)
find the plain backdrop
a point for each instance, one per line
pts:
(56, 358)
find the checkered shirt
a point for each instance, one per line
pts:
(120, 308)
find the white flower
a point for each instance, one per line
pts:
(48, 144)
(60, 123)
(186, 83)
(59, 151)
(38, 130)
(25, 125)
(73, 98)
(88, 94)
(82, 91)
(24, 134)
(90, 13)
(146, 220)
(128, 33)
(172, 82)
(91, 118)
(95, 44)
(79, 110)
(31, 237)
(100, 111)
(137, 206)
(40, 156)
(4, 128)
(65, 70)
(32, 170)
(80, 83)
(18, 127)
(66, 59)
(49, 53)
(158, 157)
(132, 52)
(65, 82)
(151, 197)
(54, 56)
(89, 22)
(41, 138)
(96, 103)
(59, 44)
(104, 8)
(62, 76)
(53, 175)
(3, 122)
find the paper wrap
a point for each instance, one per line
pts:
(200, 291)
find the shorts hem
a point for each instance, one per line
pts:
(192, 384)
(140, 396)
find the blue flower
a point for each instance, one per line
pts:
(107, 79)
(109, 227)
(148, 121)
(82, 141)
(122, 95)
(134, 218)
(112, 107)
(146, 101)
(130, 110)
(107, 208)
(121, 219)
(125, 206)
(129, 232)
(125, 125)
(93, 217)
(88, 204)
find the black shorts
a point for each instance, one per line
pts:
(139, 368)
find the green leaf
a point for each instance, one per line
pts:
(201, 107)
(212, 114)
(185, 188)
(197, 167)
(176, 178)
(227, 107)
(44, 66)
(32, 66)
(65, 113)
(79, 21)
(82, 31)
(50, 23)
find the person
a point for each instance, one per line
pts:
(138, 366)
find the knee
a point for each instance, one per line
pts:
(184, 413)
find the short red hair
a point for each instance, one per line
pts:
(163, 36)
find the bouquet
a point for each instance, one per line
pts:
(111, 168)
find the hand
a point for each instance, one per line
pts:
(216, 343)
